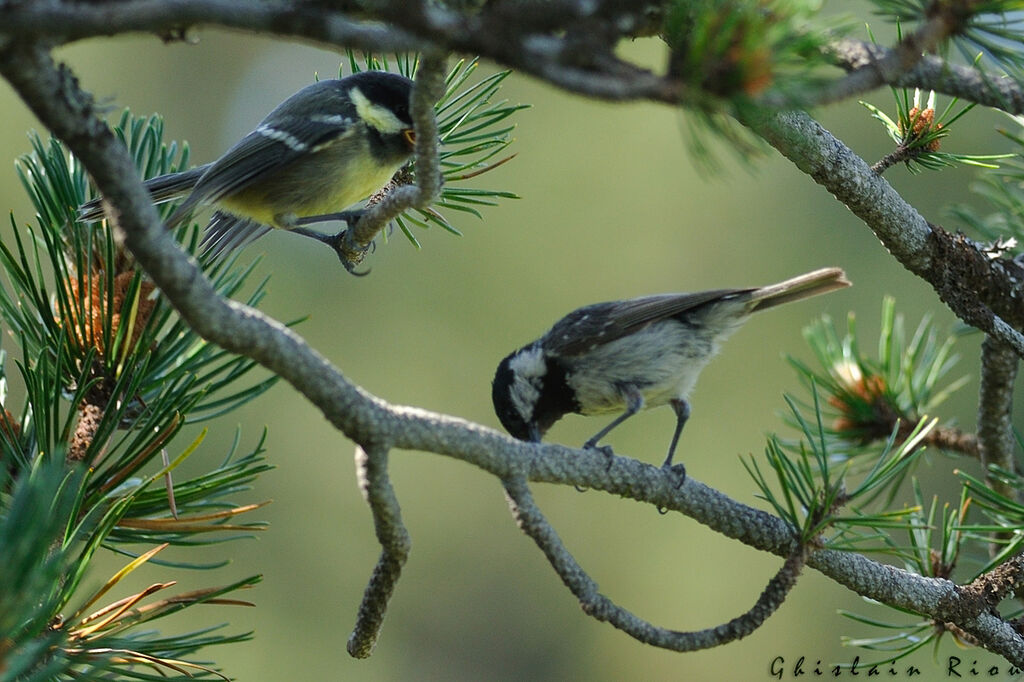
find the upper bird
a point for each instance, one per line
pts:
(326, 147)
(628, 355)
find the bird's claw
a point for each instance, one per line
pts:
(337, 243)
(348, 256)
(605, 450)
(676, 471)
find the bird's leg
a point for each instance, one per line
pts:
(335, 241)
(347, 217)
(682, 409)
(634, 403)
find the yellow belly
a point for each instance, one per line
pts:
(327, 181)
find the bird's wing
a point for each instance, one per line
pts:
(266, 150)
(586, 328)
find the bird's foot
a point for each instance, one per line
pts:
(348, 256)
(677, 472)
(605, 450)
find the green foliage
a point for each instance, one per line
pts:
(743, 49)
(871, 423)
(937, 543)
(111, 376)
(1005, 527)
(863, 429)
(36, 512)
(812, 488)
(993, 29)
(868, 397)
(737, 58)
(474, 128)
(1004, 191)
(918, 131)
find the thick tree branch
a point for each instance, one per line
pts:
(830, 163)
(414, 25)
(980, 290)
(375, 484)
(569, 44)
(930, 73)
(966, 279)
(995, 412)
(65, 22)
(886, 66)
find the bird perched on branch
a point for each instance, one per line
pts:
(326, 147)
(624, 356)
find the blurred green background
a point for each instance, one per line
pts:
(612, 206)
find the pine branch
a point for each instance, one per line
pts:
(428, 89)
(55, 98)
(531, 521)
(995, 412)
(888, 65)
(975, 287)
(930, 73)
(374, 482)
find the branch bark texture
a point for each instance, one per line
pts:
(974, 285)
(982, 291)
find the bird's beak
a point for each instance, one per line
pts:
(410, 136)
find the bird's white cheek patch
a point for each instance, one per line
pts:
(524, 398)
(375, 115)
(528, 368)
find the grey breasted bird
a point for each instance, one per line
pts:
(624, 356)
(326, 147)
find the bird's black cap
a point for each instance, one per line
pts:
(504, 407)
(387, 89)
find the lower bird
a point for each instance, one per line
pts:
(624, 356)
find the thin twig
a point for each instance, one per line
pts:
(902, 154)
(372, 470)
(427, 89)
(532, 522)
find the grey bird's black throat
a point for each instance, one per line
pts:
(550, 397)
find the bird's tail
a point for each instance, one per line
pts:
(800, 287)
(227, 232)
(161, 189)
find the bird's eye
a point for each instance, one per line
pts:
(410, 135)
